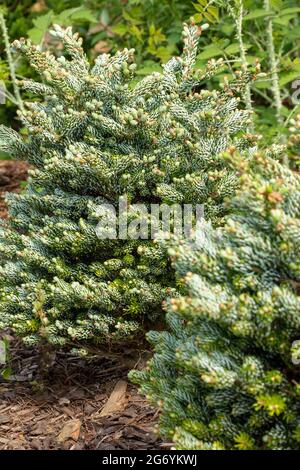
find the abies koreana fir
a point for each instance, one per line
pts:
(226, 374)
(94, 135)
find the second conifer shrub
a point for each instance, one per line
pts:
(226, 374)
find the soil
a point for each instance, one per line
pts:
(80, 404)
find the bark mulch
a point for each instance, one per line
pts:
(12, 173)
(80, 405)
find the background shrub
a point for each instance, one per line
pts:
(226, 374)
(153, 28)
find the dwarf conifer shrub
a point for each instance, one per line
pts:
(226, 374)
(95, 136)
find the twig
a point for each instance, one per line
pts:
(17, 95)
(238, 16)
(273, 65)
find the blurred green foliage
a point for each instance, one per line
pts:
(153, 28)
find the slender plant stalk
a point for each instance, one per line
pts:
(237, 12)
(273, 66)
(11, 65)
(239, 27)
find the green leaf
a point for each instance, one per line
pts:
(289, 11)
(75, 15)
(288, 78)
(198, 18)
(214, 11)
(150, 67)
(277, 4)
(84, 15)
(64, 17)
(104, 17)
(131, 19)
(208, 17)
(120, 29)
(35, 35)
(164, 53)
(209, 52)
(262, 84)
(136, 32)
(203, 2)
(227, 29)
(235, 48)
(257, 14)
(283, 20)
(152, 29)
(293, 33)
(6, 373)
(198, 8)
(42, 22)
(41, 25)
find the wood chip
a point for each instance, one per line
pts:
(71, 430)
(64, 401)
(3, 440)
(4, 419)
(117, 399)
